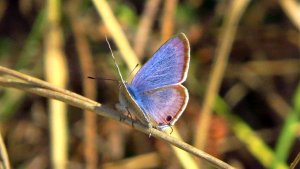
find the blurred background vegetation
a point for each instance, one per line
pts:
(255, 118)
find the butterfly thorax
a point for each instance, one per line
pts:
(129, 100)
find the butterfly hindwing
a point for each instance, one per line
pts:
(164, 105)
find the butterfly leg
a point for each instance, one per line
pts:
(171, 130)
(130, 116)
(150, 129)
(121, 108)
(122, 118)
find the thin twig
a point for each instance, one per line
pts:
(42, 84)
(89, 86)
(107, 112)
(3, 155)
(145, 26)
(295, 161)
(292, 10)
(148, 160)
(186, 159)
(56, 72)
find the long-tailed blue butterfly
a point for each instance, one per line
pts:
(155, 95)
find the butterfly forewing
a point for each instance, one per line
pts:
(167, 66)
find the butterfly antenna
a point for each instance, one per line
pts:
(132, 70)
(112, 54)
(100, 78)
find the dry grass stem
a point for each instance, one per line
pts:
(295, 162)
(149, 160)
(106, 112)
(4, 160)
(56, 73)
(167, 22)
(292, 9)
(226, 39)
(145, 26)
(116, 32)
(89, 86)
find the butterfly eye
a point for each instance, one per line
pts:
(169, 118)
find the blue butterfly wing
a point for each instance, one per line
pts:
(168, 66)
(164, 105)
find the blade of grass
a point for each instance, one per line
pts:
(288, 133)
(295, 161)
(12, 98)
(31, 45)
(256, 146)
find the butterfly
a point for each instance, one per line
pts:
(155, 95)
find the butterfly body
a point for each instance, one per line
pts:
(129, 101)
(155, 95)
